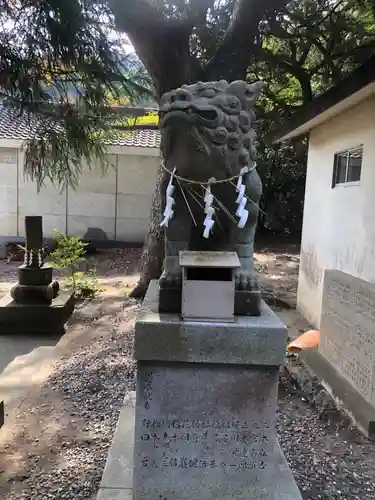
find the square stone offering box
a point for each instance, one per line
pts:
(208, 286)
(206, 408)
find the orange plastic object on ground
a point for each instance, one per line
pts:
(308, 340)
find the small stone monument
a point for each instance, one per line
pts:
(35, 303)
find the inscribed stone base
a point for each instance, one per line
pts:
(35, 318)
(204, 428)
(117, 480)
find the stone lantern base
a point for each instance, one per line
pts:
(41, 318)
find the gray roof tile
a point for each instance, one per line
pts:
(140, 138)
(19, 127)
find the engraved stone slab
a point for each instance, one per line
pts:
(34, 232)
(205, 431)
(348, 330)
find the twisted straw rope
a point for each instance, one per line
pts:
(210, 181)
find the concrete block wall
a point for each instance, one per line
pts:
(136, 184)
(93, 204)
(49, 202)
(8, 191)
(117, 202)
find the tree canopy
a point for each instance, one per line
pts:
(63, 61)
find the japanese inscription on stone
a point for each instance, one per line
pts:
(348, 329)
(218, 424)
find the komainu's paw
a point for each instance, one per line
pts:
(170, 280)
(244, 280)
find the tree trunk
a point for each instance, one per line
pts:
(163, 46)
(151, 261)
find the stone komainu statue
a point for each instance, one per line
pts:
(207, 132)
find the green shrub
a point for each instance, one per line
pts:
(69, 252)
(85, 284)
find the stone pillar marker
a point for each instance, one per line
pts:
(34, 233)
(35, 303)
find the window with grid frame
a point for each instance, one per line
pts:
(347, 166)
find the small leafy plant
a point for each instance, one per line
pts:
(67, 256)
(85, 284)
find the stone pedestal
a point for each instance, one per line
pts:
(206, 408)
(34, 304)
(41, 318)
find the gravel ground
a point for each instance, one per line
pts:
(330, 460)
(62, 432)
(65, 451)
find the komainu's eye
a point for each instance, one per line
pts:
(221, 135)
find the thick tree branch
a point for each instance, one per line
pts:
(231, 60)
(293, 68)
(162, 44)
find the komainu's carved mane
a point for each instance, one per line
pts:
(217, 118)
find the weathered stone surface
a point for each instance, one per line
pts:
(34, 232)
(249, 340)
(35, 284)
(118, 471)
(206, 431)
(348, 330)
(170, 300)
(206, 407)
(247, 303)
(35, 318)
(221, 116)
(114, 494)
(116, 485)
(350, 400)
(35, 275)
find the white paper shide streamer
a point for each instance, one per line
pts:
(170, 201)
(209, 211)
(241, 200)
(242, 213)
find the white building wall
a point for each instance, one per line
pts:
(117, 202)
(338, 223)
